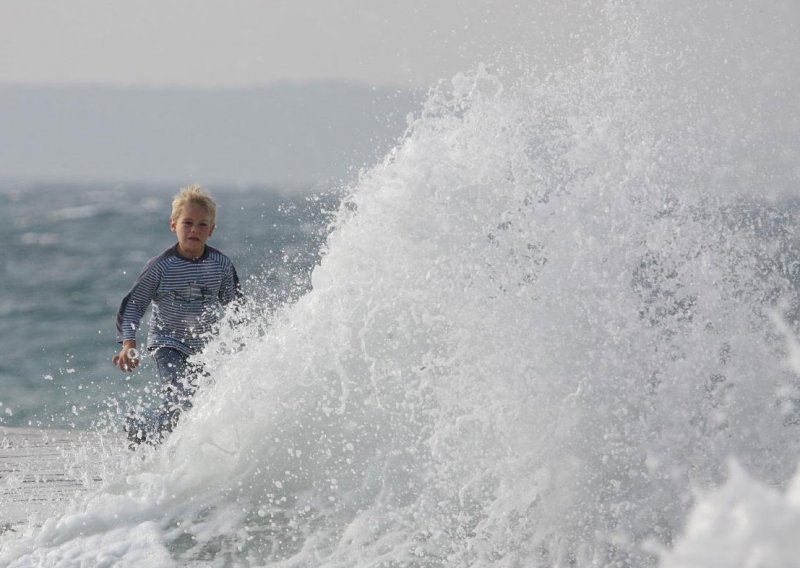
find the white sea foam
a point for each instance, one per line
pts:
(541, 325)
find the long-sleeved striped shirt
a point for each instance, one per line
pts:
(186, 297)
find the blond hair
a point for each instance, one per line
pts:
(196, 195)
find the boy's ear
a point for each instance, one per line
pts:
(211, 232)
(171, 225)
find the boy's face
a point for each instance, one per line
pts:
(192, 227)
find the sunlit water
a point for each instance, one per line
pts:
(540, 328)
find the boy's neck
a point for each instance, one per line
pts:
(189, 256)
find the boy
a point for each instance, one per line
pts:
(186, 284)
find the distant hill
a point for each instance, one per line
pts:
(298, 134)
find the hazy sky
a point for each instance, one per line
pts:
(739, 57)
(241, 43)
(246, 42)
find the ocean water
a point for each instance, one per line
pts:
(555, 326)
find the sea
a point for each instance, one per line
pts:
(555, 326)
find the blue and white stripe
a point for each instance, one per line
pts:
(186, 296)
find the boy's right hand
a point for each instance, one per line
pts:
(128, 358)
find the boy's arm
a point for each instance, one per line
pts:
(231, 289)
(130, 314)
(231, 295)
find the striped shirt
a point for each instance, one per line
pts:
(186, 296)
